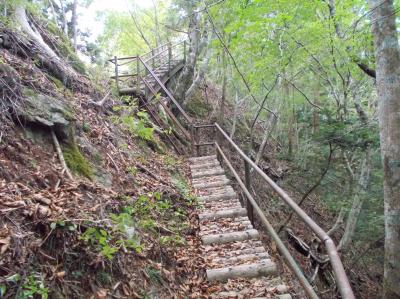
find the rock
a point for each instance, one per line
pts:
(46, 111)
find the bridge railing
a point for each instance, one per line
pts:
(252, 206)
(127, 71)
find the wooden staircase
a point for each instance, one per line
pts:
(232, 247)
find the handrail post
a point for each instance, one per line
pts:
(247, 181)
(169, 58)
(137, 75)
(184, 51)
(116, 72)
(192, 139)
(197, 141)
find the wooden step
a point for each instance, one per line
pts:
(199, 160)
(251, 234)
(231, 213)
(232, 253)
(207, 173)
(205, 165)
(228, 194)
(263, 268)
(254, 257)
(207, 185)
(208, 179)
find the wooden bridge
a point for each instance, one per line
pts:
(232, 246)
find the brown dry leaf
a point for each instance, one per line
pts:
(101, 294)
(5, 243)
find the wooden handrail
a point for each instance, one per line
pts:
(167, 92)
(337, 266)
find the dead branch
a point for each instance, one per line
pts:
(60, 155)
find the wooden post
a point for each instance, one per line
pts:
(137, 75)
(192, 139)
(184, 51)
(116, 72)
(197, 140)
(153, 62)
(169, 58)
(247, 180)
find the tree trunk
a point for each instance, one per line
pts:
(358, 200)
(224, 84)
(74, 21)
(270, 127)
(199, 78)
(64, 18)
(186, 77)
(46, 56)
(387, 56)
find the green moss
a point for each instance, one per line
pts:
(58, 83)
(76, 162)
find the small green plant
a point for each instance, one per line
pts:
(100, 239)
(132, 170)
(62, 224)
(32, 286)
(138, 125)
(171, 240)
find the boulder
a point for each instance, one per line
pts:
(47, 111)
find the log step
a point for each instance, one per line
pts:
(234, 253)
(211, 184)
(207, 179)
(251, 234)
(203, 158)
(211, 172)
(263, 268)
(254, 257)
(232, 213)
(229, 194)
(205, 165)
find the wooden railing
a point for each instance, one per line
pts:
(342, 281)
(128, 71)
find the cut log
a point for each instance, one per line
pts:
(229, 194)
(241, 258)
(254, 250)
(206, 173)
(233, 213)
(216, 178)
(251, 234)
(284, 296)
(221, 204)
(205, 165)
(212, 184)
(243, 271)
(203, 158)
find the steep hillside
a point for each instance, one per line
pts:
(93, 203)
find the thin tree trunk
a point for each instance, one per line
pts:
(270, 127)
(64, 18)
(387, 57)
(224, 84)
(74, 21)
(358, 200)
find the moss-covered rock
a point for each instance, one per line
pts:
(46, 111)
